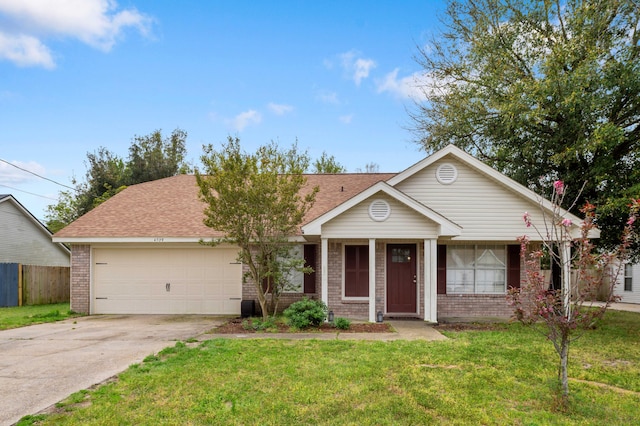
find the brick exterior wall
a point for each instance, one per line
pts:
(250, 292)
(80, 277)
(478, 305)
(449, 305)
(473, 305)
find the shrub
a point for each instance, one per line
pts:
(306, 313)
(258, 324)
(342, 323)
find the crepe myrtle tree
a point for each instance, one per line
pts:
(258, 201)
(565, 313)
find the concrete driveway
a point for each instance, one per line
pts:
(43, 364)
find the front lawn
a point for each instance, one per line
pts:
(20, 316)
(503, 376)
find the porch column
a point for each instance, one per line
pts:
(324, 278)
(565, 260)
(372, 280)
(431, 280)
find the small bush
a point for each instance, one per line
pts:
(257, 324)
(342, 323)
(306, 313)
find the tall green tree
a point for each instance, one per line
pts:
(327, 164)
(106, 175)
(258, 201)
(151, 157)
(541, 90)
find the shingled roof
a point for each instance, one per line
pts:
(171, 207)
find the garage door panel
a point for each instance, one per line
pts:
(201, 281)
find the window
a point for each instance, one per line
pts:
(356, 271)
(299, 282)
(628, 277)
(476, 269)
(400, 255)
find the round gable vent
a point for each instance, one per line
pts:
(446, 173)
(379, 210)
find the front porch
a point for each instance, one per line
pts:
(363, 277)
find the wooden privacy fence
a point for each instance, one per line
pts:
(33, 285)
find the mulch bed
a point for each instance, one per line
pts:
(234, 326)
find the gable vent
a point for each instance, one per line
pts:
(379, 210)
(446, 173)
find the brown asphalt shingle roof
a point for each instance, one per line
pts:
(171, 207)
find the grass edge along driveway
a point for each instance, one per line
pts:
(22, 316)
(502, 376)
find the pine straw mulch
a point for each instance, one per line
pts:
(235, 326)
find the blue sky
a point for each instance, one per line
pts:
(76, 75)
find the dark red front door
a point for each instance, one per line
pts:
(401, 278)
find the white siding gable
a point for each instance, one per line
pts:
(403, 222)
(23, 241)
(485, 209)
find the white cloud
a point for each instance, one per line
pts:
(346, 119)
(357, 68)
(98, 23)
(410, 87)
(25, 51)
(10, 175)
(279, 109)
(244, 119)
(362, 68)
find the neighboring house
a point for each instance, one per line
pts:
(628, 285)
(24, 239)
(436, 240)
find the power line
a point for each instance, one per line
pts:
(27, 192)
(35, 174)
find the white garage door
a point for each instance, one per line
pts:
(166, 281)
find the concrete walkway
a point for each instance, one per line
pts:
(629, 307)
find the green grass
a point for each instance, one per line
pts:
(20, 316)
(503, 377)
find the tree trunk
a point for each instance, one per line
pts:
(564, 361)
(262, 299)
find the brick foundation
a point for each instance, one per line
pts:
(80, 277)
(473, 305)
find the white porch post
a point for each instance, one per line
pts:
(324, 279)
(430, 280)
(565, 259)
(372, 280)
